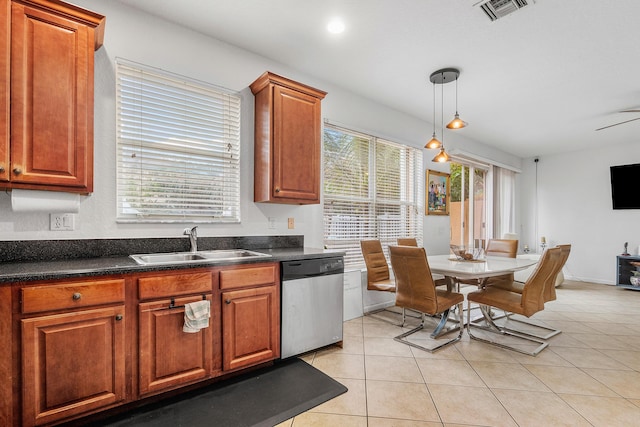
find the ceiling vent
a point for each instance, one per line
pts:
(496, 9)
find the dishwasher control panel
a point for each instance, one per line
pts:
(312, 267)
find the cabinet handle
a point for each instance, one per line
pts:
(76, 296)
(277, 189)
(119, 317)
(227, 301)
(17, 171)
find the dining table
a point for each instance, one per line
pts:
(453, 269)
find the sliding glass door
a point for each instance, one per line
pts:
(468, 204)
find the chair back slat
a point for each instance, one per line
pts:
(550, 292)
(377, 267)
(534, 288)
(407, 241)
(415, 288)
(502, 247)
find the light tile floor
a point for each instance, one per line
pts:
(588, 376)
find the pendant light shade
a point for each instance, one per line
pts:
(433, 142)
(441, 157)
(456, 123)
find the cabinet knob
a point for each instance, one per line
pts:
(76, 296)
(277, 189)
(227, 301)
(1, 169)
(119, 317)
(17, 171)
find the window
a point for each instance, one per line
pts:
(178, 143)
(372, 190)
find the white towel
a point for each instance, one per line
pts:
(196, 316)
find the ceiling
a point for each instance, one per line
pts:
(536, 82)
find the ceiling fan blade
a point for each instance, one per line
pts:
(626, 121)
(630, 111)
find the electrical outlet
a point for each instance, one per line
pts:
(291, 224)
(62, 222)
(272, 223)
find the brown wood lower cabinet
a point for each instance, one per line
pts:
(168, 356)
(72, 363)
(82, 346)
(251, 329)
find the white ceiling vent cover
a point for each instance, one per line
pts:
(496, 9)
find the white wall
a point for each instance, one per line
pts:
(142, 38)
(574, 206)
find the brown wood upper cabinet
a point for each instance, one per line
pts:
(46, 95)
(287, 141)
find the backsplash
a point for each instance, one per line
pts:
(54, 250)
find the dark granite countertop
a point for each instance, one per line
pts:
(33, 268)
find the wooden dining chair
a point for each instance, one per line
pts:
(526, 303)
(416, 290)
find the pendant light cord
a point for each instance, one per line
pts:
(434, 108)
(456, 94)
(442, 109)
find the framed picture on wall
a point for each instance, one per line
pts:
(437, 193)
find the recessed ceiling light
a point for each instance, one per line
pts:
(336, 26)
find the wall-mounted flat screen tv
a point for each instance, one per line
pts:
(624, 186)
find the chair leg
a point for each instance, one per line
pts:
(444, 318)
(437, 332)
(375, 315)
(551, 331)
(493, 328)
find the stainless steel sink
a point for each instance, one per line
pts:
(195, 257)
(225, 254)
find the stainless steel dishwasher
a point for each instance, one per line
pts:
(312, 301)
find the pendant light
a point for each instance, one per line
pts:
(442, 156)
(434, 142)
(440, 77)
(457, 122)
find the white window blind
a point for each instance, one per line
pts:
(178, 143)
(372, 190)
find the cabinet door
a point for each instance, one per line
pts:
(250, 326)
(168, 356)
(72, 364)
(51, 100)
(296, 148)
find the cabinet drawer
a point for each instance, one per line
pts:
(249, 276)
(174, 284)
(72, 295)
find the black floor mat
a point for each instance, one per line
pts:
(261, 398)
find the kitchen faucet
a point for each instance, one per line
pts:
(193, 237)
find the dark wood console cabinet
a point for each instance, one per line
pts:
(624, 268)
